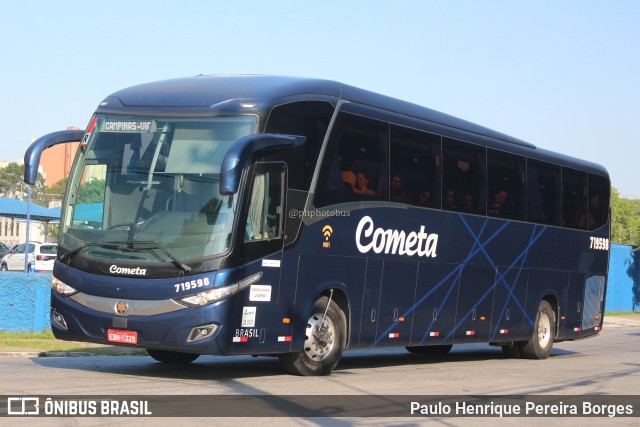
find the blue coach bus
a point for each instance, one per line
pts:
(296, 217)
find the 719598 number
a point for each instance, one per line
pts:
(599, 243)
(192, 285)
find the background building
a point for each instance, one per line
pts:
(56, 161)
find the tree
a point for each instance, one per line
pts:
(57, 190)
(92, 191)
(625, 219)
(89, 192)
(12, 184)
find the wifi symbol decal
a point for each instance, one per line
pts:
(327, 231)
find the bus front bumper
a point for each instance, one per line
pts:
(161, 325)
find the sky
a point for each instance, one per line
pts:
(563, 75)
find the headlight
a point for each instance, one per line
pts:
(217, 294)
(62, 288)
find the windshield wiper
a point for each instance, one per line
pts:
(68, 255)
(131, 243)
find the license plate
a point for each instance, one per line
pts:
(122, 336)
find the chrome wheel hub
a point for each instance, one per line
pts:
(320, 337)
(544, 330)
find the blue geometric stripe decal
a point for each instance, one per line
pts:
(524, 255)
(453, 277)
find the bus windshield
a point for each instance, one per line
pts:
(147, 189)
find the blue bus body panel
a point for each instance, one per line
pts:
(484, 283)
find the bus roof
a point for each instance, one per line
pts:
(216, 93)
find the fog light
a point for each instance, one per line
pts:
(202, 332)
(59, 319)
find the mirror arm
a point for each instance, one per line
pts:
(34, 152)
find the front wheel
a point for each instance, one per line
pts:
(3, 267)
(544, 334)
(325, 339)
(177, 357)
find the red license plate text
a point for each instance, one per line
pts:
(122, 336)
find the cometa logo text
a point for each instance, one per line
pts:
(137, 271)
(394, 241)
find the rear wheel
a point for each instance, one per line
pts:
(3, 267)
(544, 334)
(325, 340)
(165, 356)
(513, 350)
(434, 350)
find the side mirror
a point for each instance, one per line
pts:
(242, 151)
(34, 152)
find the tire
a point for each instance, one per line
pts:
(433, 350)
(174, 357)
(544, 334)
(322, 348)
(512, 350)
(3, 267)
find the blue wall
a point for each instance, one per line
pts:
(624, 279)
(25, 301)
(25, 297)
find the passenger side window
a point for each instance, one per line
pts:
(415, 167)
(463, 187)
(264, 220)
(574, 199)
(307, 118)
(355, 165)
(506, 185)
(599, 193)
(543, 193)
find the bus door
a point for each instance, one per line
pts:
(509, 302)
(475, 303)
(397, 295)
(254, 329)
(434, 311)
(370, 303)
(572, 324)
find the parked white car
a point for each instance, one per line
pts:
(41, 256)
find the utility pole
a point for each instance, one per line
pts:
(26, 249)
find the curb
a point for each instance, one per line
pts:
(20, 354)
(45, 354)
(64, 354)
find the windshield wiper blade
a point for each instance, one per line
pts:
(175, 260)
(68, 255)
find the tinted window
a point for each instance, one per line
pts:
(415, 167)
(543, 192)
(506, 185)
(574, 199)
(463, 187)
(264, 220)
(599, 189)
(48, 249)
(306, 118)
(355, 166)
